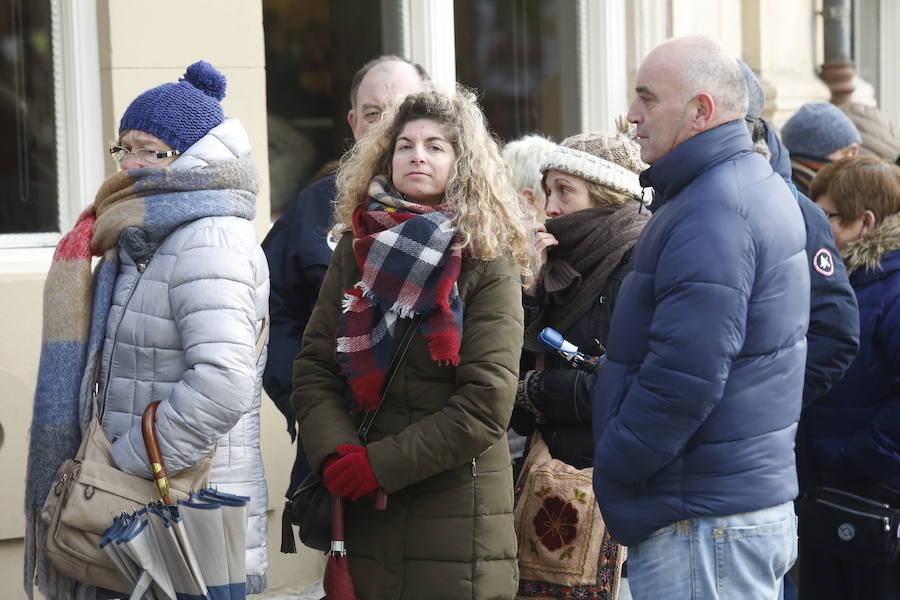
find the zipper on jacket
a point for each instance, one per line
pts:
(112, 352)
(882, 518)
(855, 497)
(475, 459)
(142, 266)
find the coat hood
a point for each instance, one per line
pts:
(227, 141)
(867, 252)
(779, 157)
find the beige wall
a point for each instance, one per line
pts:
(142, 45)
(780, 41)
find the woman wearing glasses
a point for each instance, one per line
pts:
(851, 435)
(172, 313)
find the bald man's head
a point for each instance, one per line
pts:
(380, 83)
(684, 87)
(708, 65)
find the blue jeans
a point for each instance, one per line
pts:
(738, 556)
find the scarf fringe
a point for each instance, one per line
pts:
(444, 348)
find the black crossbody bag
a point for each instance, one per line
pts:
(854, 522)
(309, 505)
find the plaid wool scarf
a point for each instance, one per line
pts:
(147, 203)
(409, 259)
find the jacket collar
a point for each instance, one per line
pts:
(779, 157)
(669, 175)
(865, 258)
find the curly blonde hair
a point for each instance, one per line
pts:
(480, 197)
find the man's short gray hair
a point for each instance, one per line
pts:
(710, 67)
(525, 156)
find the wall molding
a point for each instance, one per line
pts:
(432, 40)
(604, 91)
(889, 92)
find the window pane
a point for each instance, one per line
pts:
(28, 194)
(510, 51)
(313, 48)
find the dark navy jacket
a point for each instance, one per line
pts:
(833, 336)
(696, 409)
(298, 256)
(854, 430)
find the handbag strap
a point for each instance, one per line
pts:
(263, 337)
(396, 359)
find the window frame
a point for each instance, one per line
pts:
(78, 114)
(600, 51)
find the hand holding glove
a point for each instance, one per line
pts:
(350, 474)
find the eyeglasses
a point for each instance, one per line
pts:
(145, 155)
(834, 214)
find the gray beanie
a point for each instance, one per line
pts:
(756, 97)
(818, 129)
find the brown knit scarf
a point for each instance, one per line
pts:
(591, 245)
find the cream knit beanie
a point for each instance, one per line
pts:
(610, 159)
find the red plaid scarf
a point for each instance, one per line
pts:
(409, 258)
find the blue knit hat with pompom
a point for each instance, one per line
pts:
(180, 113)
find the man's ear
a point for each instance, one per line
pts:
(351, 119)
(704, 110)
(869, 222)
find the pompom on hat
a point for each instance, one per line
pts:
(610, 159)
(180, 113)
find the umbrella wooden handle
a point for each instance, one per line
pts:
(148, 428)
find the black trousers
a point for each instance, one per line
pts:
(823, 577)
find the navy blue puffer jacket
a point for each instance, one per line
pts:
(696, 410)
(298, 253)
(854, 430)
(833, 336)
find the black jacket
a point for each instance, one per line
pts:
(565, 393)
(298, 254)
(833, 336)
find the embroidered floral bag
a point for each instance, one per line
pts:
(564, 548)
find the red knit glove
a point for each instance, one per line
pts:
(350, 475)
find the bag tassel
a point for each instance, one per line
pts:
(288, 545)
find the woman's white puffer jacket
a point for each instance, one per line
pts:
(183, 329)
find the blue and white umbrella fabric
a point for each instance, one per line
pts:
(193, 550)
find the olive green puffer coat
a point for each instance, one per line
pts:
(438, 446)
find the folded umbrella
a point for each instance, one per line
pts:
(234, 511)
(338, 584)
(194, 549)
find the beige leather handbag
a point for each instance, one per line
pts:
(89, 490)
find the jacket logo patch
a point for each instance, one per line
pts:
(823, 262)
